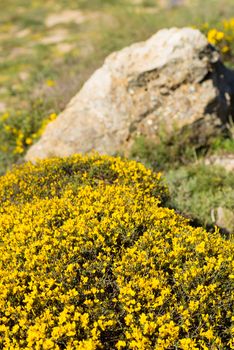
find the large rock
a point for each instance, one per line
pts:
(170, 82)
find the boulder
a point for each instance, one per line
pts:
(173, 81)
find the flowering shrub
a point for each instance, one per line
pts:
(222, 36)
(17, 132)
(91, 260)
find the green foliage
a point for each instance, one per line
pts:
(165, 153)
(18, 131)
(223, 145)
(222, 37)
(197, 189)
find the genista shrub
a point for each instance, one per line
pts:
(90, 259)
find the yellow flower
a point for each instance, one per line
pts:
(214, 36)
(208, 334)
(121, 344)
(225, 49)
(28, 141)
(219, 36)
(188, 344)
(50, 82)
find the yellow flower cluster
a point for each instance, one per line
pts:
(20, 137)
(45, 122)
(214, 36)
(223, 37)
(17, 135)
(89, 259)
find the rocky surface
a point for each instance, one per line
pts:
(223, 218)
(170, 82)
(226, 161)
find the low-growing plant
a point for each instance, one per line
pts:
(221, 35)
(168, 152)
(222, 145)
(51, 178)
(196, 190)
(18, 132)
(89, 259)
